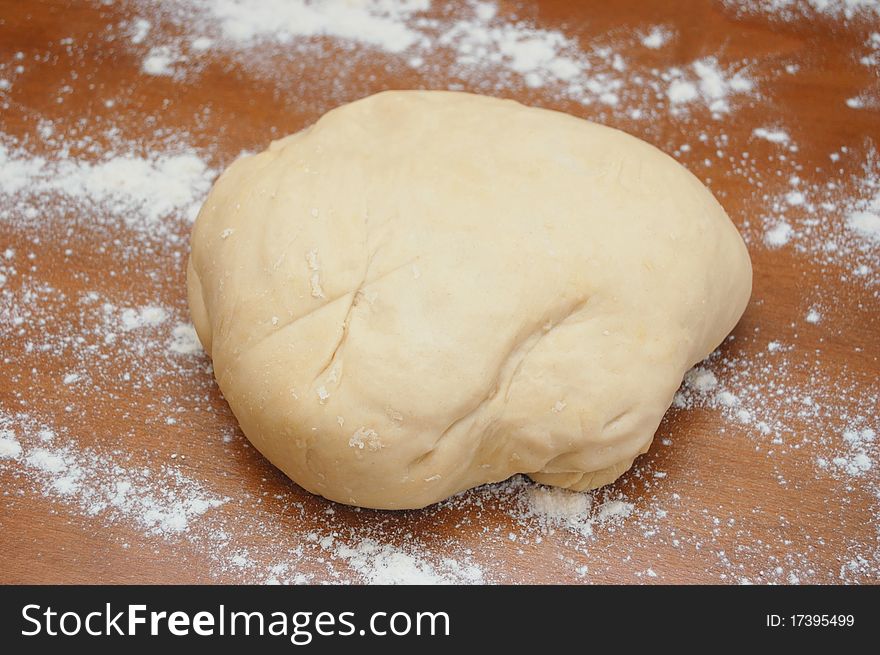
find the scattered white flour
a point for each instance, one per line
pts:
(159, 61)
(201, 44)
(539, 56)
(856, 460)
(9, 446)
(860, 447)
(489, 51)
(795, 198)
(789, 10)
(701, 379)
(836, 223)
(813, 316)
(656, 38)
(778, 235)
(381, 23)
(560, 508)
(771, 135)
(148, 316)
(855, 103)
(384, 564)
(707, 81)
(872, 59)
(767, 403)
(614, 510)
(681, 91)
(866, 222)
(555, 509)
(137, 191)
(184, 340)
(139, 30)
(47, 461)
(162, 502)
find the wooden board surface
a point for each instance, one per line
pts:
(131, 467)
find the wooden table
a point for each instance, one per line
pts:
(721, 496)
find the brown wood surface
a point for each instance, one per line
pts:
(727, 515)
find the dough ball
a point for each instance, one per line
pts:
(427, 291)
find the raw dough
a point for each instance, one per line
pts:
(427, 291)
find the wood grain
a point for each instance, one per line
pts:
(727, 515)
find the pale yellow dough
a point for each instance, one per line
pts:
(427, 291)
